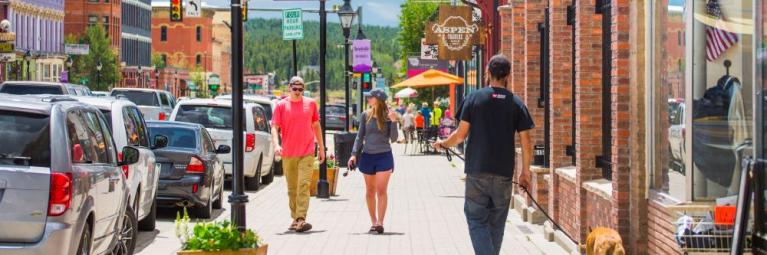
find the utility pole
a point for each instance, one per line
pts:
(295, 59)
(323, 187)
(237, 199)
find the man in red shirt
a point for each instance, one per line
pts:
(296, 118)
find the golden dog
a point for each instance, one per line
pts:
(604, 241)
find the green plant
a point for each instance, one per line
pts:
(213, 236)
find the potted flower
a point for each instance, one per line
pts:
(332, 175)
(221, 238)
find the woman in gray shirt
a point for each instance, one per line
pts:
(378, 129)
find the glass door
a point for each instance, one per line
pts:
(760, 117)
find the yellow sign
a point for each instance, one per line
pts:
(6, 47)
(277, 93)
(357, 75)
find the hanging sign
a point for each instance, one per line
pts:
(176, 13)
(7, 47)
(292, 24)
(429, 51)
(361, 61)
(193, 8)
(77, 49)
(454, 32)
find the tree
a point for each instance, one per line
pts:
(102, 52)
(412, 21)
(198, 77)
(157, 61)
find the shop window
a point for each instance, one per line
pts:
(543, 99)
(668, 168)
(604, 161)
(721, 88)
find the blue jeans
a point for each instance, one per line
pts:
(486, 206)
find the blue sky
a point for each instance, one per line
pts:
(375, 12)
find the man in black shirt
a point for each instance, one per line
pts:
(490, 117)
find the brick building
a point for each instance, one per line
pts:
(625, 148)
(188, 44)
(80, 14)
(136, 35)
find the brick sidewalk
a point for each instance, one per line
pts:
(425, 216)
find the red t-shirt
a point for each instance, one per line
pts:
(295, 121)
(419, 121)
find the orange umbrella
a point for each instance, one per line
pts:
(430, 78)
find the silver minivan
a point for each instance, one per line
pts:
(62, 190)
(154, 104)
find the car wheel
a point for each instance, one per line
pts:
(205, 211)
(254, 183)
(126, 235)
(269, 177)
(148, 223)
(278, 168)
(218, 204)
(84, 248)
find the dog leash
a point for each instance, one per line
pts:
(448, 153)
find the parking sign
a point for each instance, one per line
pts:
(292, 24)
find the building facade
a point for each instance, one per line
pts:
(648, 110)
(188, 44)
(38, 25)
(80, 14)
(222, 48)
(136, 35)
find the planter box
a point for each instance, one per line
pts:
(261, 250)
(332, 179)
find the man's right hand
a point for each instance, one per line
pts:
(278, 150)
(524, 179)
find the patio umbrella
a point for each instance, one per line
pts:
(406, 93)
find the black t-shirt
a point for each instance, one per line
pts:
(495, 116)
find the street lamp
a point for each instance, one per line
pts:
(69, 69)
(98, 74)
(346, 14)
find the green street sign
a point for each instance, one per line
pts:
(292, 24)
(84, 81)
(213, 87)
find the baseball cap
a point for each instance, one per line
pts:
(378, 93)
(499, 66)
(297, 79)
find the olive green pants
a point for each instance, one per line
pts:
(298, 174)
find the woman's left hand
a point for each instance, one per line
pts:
(392, 115)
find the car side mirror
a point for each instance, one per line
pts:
(130, 156)
(160, 141)
(223, 149)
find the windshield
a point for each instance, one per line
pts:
(29, 134)
(334, 110)
(218, 117)
(21, 89)
(143, 98)
(177, 137)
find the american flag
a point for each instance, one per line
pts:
(717, 39)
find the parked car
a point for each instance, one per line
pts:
(676, 133)
(335, 117)
(268, 103)
(154, 104)
(129, 129)
(39, 87)
(216, 116)
(100, 93)
(63, 190)
(191, 173)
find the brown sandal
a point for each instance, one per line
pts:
(302, 225)
(379, 229)
(293, 226)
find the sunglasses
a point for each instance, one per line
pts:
(297, 89)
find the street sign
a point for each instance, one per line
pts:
(214, 79)
(76, 49)
(362, 57)
(193, 8)
(176, 14)
(192, 86)
(292, 24)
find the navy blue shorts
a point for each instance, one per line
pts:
(371, 164)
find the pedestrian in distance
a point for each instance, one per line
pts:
(436, 115)
(408, 124)
(426, 112)
(372, 148)
(296, 118)
(490, 117)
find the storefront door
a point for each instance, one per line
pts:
(760, 144)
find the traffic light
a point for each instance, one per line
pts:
(176, 13)
(366, 85)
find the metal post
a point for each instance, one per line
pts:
(360, 35)
(238, 199)
(295, 59)
(347, 70)
(323, 187)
